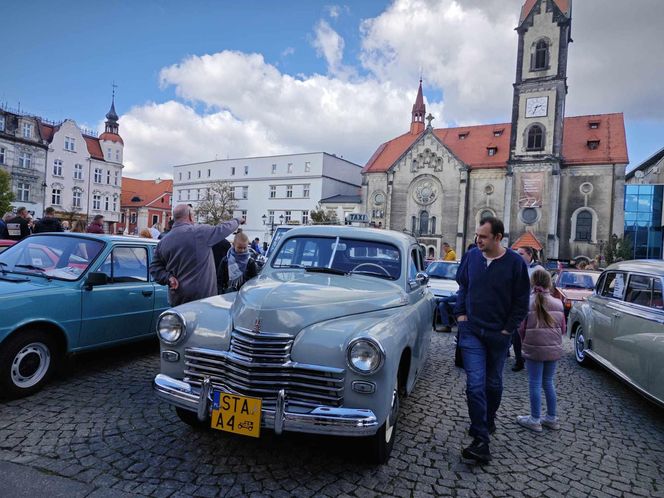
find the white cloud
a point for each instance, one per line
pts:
(287, 51)
(330, 45)
(334, 11)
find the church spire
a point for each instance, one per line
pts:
(419, 111)
(112, 125)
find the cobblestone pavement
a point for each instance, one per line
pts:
(102, 425)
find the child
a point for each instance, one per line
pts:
(236, 267)
(542, 343)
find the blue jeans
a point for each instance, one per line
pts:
(540, 375)
(445, 310)
(484, 352)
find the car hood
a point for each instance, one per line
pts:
(575, 294)
(20, 285)
(442, 285)
(287, 302)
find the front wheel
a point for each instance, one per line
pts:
(27, 361)
(383, 441)
(580, 346)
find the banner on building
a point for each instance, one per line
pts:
(530, 194)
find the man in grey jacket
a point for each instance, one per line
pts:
(184, 261)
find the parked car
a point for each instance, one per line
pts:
(6, 244)
(442, 278)
(276, 237)
(64, 293)
(621, 325)
(334, 329)
(571, 286)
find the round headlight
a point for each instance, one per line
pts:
(365, 356)
(171, 327)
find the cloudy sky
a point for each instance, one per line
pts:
(233, 79)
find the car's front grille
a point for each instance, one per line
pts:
(258, 365)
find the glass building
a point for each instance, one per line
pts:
(643, 219)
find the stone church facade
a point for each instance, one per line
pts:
(555, 178)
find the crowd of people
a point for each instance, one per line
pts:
(18, 225)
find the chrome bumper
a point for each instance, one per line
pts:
(320, 420)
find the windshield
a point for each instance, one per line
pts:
(275, 240)
(49, 255)
(340, 255)
(438, 269)
(577, 280)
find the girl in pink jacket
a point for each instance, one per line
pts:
(542, 346)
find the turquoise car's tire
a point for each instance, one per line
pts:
(383, 441)
(191, 418)
(27, 361)
(579, 347)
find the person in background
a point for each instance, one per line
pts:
(79, 227)
(542, 337)
(48, 223)
(492, 302)
(146, 233)
(154, 231)
(169, 226)
(450, 255)
(65, 225)
(18, 227)
(3, 229)
(237, 267)
(184, 260)
(97, 225)
(255, 245)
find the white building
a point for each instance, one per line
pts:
(271, 187)
(84, 172)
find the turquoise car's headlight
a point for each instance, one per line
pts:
(365, 356)
(171, 327)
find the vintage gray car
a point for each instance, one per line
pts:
(621, 325)
(325, 340)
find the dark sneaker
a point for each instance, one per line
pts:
(478, 451)
(518, 366)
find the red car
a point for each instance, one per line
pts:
(4, 244)
(570, 285)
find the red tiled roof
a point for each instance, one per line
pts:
(47, 131)
(472, 150)
(94, 149)
(527, 240)
(563, 5)
(113, 137)
(147, 190)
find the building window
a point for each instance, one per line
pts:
(290, 168)
(76, 199)
(535, 138)
(274, 169)
(273, 191)
(424, 222)
(307, 167)
(23, 189)
(593, 144)
(584, 226)
(486, 214)
(243, 214)
(463, 136)
(209, 173)
(432, 224)
(492, 150)
(117, 156)
(27, 130)
(180, 176)
(69, 144)
(541, 58)
(78, 171)
(245, 192)
(497, 133)
(199, 175)
(57, 167)
(270, 217)
(2, 123)
(2, 155)
(289, 191)
(24, 159)
(106, 203)
(117, 177)
(305, 217)
(305, 191)
(179, 195)
(98, 174)
(287, 216)
(108, 177)
(593, 125)
(108, 153)
(96, 201)
(115, 203)
(188, 175)
(246, 170)
(232, 170)
(188, 195)
(55, 196)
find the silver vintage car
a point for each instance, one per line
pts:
(621, 325)
(325, 340)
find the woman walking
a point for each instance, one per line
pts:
(542, 344)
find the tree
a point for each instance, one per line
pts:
(6, 194)
(618, 249)
(218, 205)
(319, 216)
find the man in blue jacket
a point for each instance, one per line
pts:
(492, 301)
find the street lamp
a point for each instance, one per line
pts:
(281, 221)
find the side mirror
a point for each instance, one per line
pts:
(421, 279)
(96, 278)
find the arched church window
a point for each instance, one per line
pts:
(413, 224)
(424, 222)
(535, 138)
(432, 224)
(584, 225)
(541, 55)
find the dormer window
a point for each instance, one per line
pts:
(463, 136)
(593, 144)
(497, 133)
(491, 150)
(593, 125)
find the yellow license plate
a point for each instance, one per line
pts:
(236, 414)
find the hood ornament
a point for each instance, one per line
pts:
(257, 325)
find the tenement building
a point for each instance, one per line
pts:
(553, 179)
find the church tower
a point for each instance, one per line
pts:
(419, 111)
(111, 142)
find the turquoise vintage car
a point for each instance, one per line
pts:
(68, 292)
(325, 340)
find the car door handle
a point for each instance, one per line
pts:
(146, 293)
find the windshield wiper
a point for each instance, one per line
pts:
(374, 274)
(30, 267)
(323, 269)
(289, 266)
